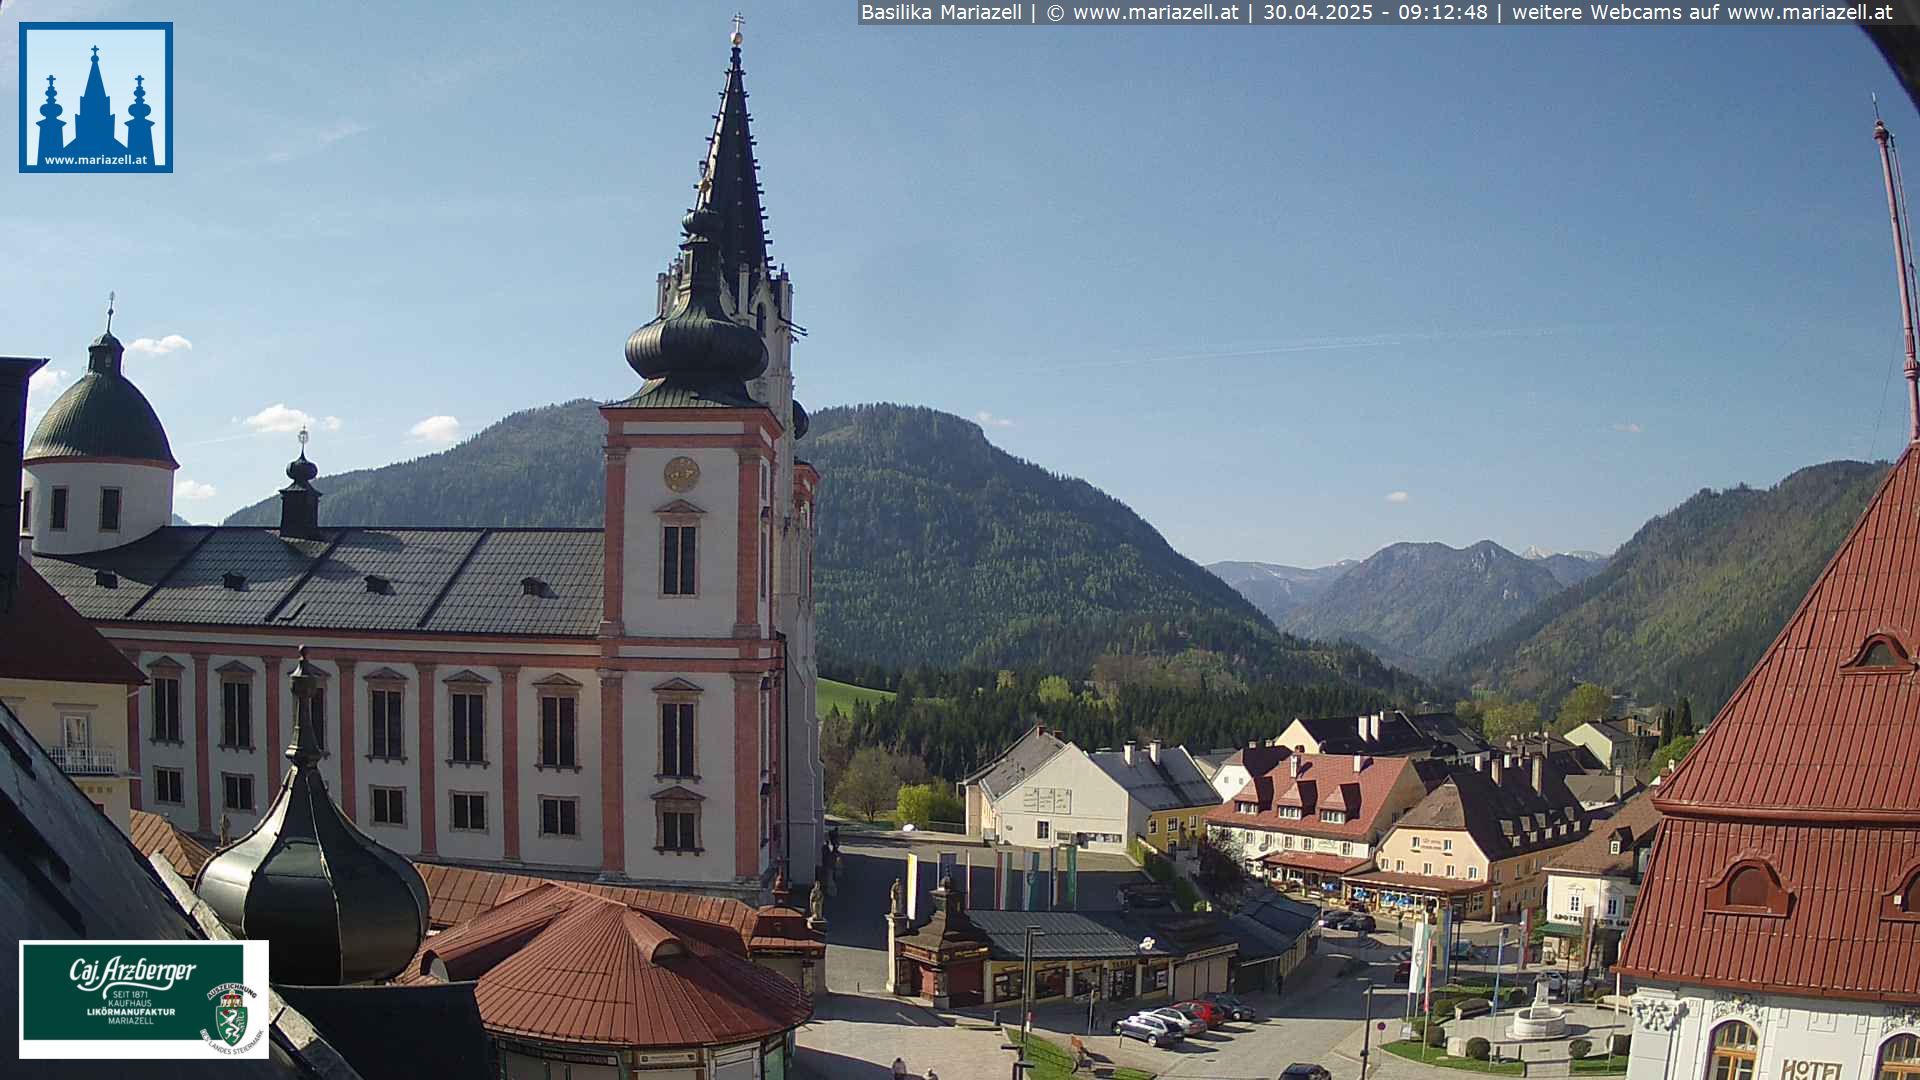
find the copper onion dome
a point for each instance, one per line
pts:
(338, 907)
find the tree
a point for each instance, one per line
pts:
(1675, 752)
(1054, 690)
(1586, 703)
(1683, 724)
(1502, 718)
(1668, 719)
(836, 746)
(924, 804)
(870, 783)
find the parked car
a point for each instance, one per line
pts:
(1188, 1025)
(1333, 920)
(1234, 1006)
(1361, 923)
(1301, 1071)
(1206, 1012)
(1148, 1029)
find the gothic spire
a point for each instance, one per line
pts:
(730, 183)
(95, 89)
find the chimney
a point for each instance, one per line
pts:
(1359, 762)
(1619, 784)
(1253, 744)
(1540, 775)
(1364, 721)
(1293, 765)
(1374, 726)
(1480, 763)
(1499, 769)
(1126, 752)
(14, 372)
(1153, 751)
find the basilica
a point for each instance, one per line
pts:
(631, 703)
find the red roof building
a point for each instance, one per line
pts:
(568, 975)
(1314, 817)
(1780, 915)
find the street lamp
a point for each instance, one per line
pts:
(1366, 1030)
(1026, 979)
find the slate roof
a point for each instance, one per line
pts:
(1504, 819)
(1094, 935)
(1598, 787)
(675, 394)
(1400, 734)
(101, 415)
(444, 580)
(1809, 769)
(61, 646)
(1636, 823)
(1017, 762)
(563, 964)
(1270, 926)
(1170, 783)
(400, 1032)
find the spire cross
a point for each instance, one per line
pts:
(303, 441)
(49, 82)
(739, 20)
(109, 312)
(96, 54)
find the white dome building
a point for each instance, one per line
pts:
(99, 472)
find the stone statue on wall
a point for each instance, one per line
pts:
(817, 901)
(899, 904)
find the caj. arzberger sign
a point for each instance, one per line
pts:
(143, 999)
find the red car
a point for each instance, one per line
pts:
(1206, 1012)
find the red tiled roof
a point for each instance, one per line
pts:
(1810, 770)
(1322, 781)
(561, 963)
(1387, 879)
(1593, 853)
(62, 645)
(152, 833)
(1315, 860)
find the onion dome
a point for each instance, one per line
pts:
(102, 415)
(338, 907)
(695, 344)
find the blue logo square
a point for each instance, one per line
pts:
(96, 97)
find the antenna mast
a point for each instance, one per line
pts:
(1901, 266)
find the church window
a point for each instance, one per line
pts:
(236, 714)
(389, 805)
(1900, 1058)
(26, 511)
(237, 792)
(1735, 1047)
(388, 728)
(168, 786)
(559, 817)
(166, 708)
(677, 818)
(557, 731)
(678, 559)
(57, 509)
(469, 727)
(676, 739)
(109, 509)
(469, 811)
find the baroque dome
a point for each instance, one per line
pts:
(102, 415)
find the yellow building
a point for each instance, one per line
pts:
(71, 688)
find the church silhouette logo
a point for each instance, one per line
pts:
(73, 74)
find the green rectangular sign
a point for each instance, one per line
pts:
(143, 999)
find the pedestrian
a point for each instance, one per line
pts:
(931, 1075)
(899, 1069)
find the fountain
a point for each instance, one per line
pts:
(1538, 1020)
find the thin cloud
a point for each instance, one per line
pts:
(1627, 428)
(314, 140)
(279, 419)
(441, 430)
(987, 419)
(194, 490)
(1398, 496)
(161, 346)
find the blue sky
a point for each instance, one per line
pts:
(1542, 283)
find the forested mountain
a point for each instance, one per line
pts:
(1570, 567)
(1276, 589)
(1689, 604)
(1419, 604)
(935, 548)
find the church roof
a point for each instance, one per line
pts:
(437, 581)
(731, 185)
(101, 415)
(1808, 777)
(63, 646)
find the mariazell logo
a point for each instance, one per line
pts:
(72, 73)
(92, 1000)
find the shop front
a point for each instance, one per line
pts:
(1393, 894)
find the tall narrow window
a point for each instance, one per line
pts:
(1735, 1046)
(236, 714)
(469, 727)
(388, 730)
(26, 510)
(678, 544)
(238, 792)
(168, 786)
(57, 509)
(676, 739)
(109, 509)
(166, 708)
(559, 817)
(557, 730)
(469, 811)
(389, 806)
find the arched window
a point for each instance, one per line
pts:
(1900, 1058)
(1735, 1045)
(1749, 887)
(1880, 652)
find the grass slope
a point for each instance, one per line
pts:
(830, 695)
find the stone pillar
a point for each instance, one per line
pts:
(276, 749)
(347, 693)
(429, 796)
(746, 774)
(613, 775)
(135, 693)
(746, 567)
(510, 761)
(614, 555)
(202, 690)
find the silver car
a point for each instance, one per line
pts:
(1184, 1024)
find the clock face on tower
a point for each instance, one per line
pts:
(681, 474)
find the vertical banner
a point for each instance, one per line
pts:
(913, 886)
(1526, 936)
(1073, 879)
(1446, 942)
(966, 880)
(1000, 879)
(1033, 882)
(1417, 962)
(1053, 878)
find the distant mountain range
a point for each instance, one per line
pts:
(1276, 589)
(936, 547)
(1568, 567)
(1690, 602)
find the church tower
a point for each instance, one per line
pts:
(140, 129)
(93, 125)
(52, 142)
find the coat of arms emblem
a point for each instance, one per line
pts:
(230, 1017)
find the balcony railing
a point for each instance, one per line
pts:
(86, 760)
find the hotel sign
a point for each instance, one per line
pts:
(1810, 1070)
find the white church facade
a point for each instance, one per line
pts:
(633, 702)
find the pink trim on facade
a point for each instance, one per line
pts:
(275, 747)
(429, 797)
(202, 690)
(746, 775)
(613, 774)
(346, 748)
(510, 759)
(746, 585)
(614, 559)
(134, 695)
